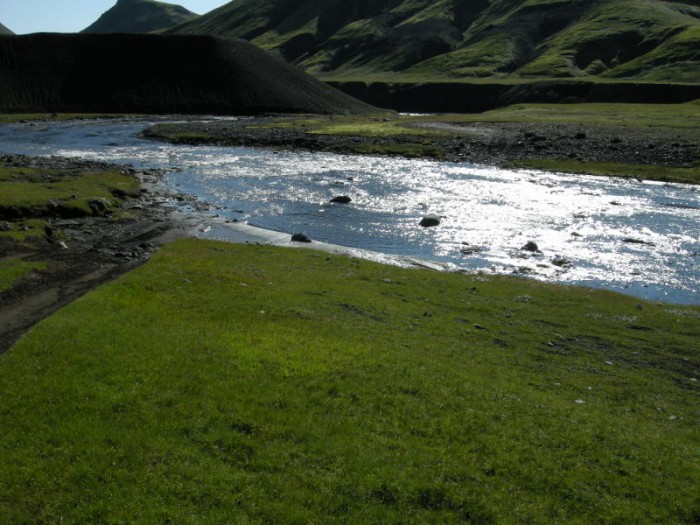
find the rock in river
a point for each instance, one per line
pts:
(531, 246)
(430, 220)
(341, 199)
(300, 237)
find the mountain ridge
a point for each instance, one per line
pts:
(140, 16)
(5, 31)
(426, 40)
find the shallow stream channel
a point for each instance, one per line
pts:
(639, 238)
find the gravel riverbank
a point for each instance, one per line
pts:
(494, 143)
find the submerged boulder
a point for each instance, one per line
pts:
(531, 246)
(341, 199)
(431, 220)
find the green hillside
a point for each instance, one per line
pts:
(5, 31)
(417, 40)
(140, 16)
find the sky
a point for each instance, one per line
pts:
(71, 16)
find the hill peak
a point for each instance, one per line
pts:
(140, 16)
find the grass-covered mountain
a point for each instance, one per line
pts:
(647, 40)
(5, 31)
(140, 16)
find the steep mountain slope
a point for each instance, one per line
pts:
(119, 73)
(5, 31)
(426, 40)
(140, 16)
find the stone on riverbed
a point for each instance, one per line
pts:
(531, 246)
(341, 199)
(430, 220)
(300, 237)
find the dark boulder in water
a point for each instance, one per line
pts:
(341, 199)
(431, 220)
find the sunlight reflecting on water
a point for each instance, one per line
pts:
(642, 238)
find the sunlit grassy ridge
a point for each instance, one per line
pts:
(431, 41)
(250, 384)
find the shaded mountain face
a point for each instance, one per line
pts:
(649, 40)
(131, 73)
(5, 31)
(140, 16)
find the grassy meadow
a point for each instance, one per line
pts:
(248, 384)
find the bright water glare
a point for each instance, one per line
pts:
(638, 238)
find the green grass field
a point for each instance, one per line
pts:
(248, 384)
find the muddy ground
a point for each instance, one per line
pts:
(82, 253)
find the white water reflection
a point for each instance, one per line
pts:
(642, 238)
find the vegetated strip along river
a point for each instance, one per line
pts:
(640, 238)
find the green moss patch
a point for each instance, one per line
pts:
(27, 193)
(250, 384)
(14, 269)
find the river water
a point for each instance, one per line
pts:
(638, 238)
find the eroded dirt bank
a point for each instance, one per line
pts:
(78, 253)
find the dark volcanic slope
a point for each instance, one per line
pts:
(156, 74)
(5, 31)
(140, 16)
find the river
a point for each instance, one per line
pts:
(640, 238)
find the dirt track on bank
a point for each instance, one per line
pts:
(88, 252)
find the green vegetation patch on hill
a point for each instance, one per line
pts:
(647, 40)
(253, 384)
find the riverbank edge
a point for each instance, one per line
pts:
(643, 152)
(69, 256)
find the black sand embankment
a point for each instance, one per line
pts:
(156, 74)
(468, 97)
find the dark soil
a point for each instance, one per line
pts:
(156, 74)
(81, 253)
(481, 143)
